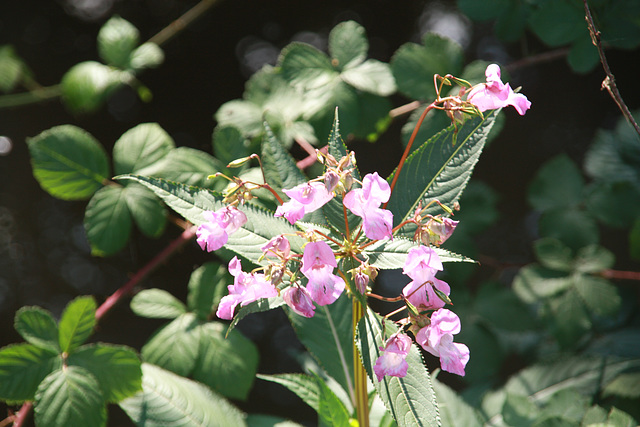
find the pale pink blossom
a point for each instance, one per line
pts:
(305, 198)
(441, 231)
(392, 361)
(246, 288)
(299, 300)
(422, 296)
(494, 94)
(365, 202)
(318, 262)
(214, 234)
(279, 246)
(437, 339)
(422, 261)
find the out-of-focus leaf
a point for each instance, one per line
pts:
(279, 167)
(157, 304)
(557, 184)
(11, 68)
(348, 44)
(116, 41)
(146, 209)
(147, 55)
(453, 410)
(558, 22)
(207, 285)
(87, 85)
(229, 144)
(371, 76)
(553, 254)
(593, 259)
(598, 294)
(626, 385)
(304, 65)
(38, 327)
(107, 221)
(141, 146)
(616, 204)
(574, 227)
(535, 282)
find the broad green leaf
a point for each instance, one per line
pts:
(616, 204)
(566, 405)
(557, 184)
(348, 44)
(519, 410)
(568, 317)
(337, 94)
(157, 304)
(453, 410)
(191, 202)
(414, 65)
(331, 411)
(439, 169)
(512, 22)
(553, 254)
(168, 400)
(390, 254)
(304, 386)
(228, 364)
(558, 22)
(304, 65)
(626, 385)
(87, 85)
(410, 399)
(70, 397)
(593, 259)
(583, 55)
(241, 114)
(147, 55)
(599, 295)
(116, 368)
(68, 162)
(207, 285)
(11, 68)
(229, 144)
(264, 304)
(116, 40)
(574, 227)
(620, 418)
(280, 168)
(38, 327)
(175, 346)
(140, 147)
(535, 282)
(146, 209)
(77, 323)
(107, 221)
(328, 336)
(371, 76)
(22, 369)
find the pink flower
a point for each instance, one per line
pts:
(392, 360)
(365, 202)
(279, 246)
(305, 198)
(495, 94)
(214, 234)
(246, 288)
(421, 294)
(318, 262)
(422, 261)
(299, 300)
(437, 339)
(439, 232)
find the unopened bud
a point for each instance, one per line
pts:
(239, 162)
(361, 280)
(347, 181)
(331, 180)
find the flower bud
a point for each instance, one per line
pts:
(361, 280)
(331, 180)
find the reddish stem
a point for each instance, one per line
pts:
(617, 274)
(407, 150)
(186, 235)
(21, 417)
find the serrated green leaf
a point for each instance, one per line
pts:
(70, 397)
(410, 399)
(146, 209)
(87, 85)
(304, 386)
(371, 76)
(331, 411)
(453, 410)
(535, 282)
(616, 204)
(626, 385)
(348, 44)
(439, 169)
(598, 294)
(414, 65)
(116, 40)
(107, 221)
(147, 55)
(557, 184)
(264, 304)
(38, 327)
(328, 335)
(207, 285)
(68, 162)
(389, 254)
(157, 304)
(139, 147)
(228, 364)
(22, 369)
(574, 227)
(558, 22)
(568, 317)
(116, 368)
(553, 254)
(191, 202)
(168, 400)
(76, 323)
(175, 346)
(305, 66)
(280, 168)
(593, 259)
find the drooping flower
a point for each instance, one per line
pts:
(318, 262)
(299, 300)
(279, 246)
(246, 288)
(365, 202)
(437, 339)
(438, 231)
(421, 265)
(305, 198)
(421, 261)
(393, 362)
(214, 234)
(495, 94)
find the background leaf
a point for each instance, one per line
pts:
(280, 168)
(146, 209)
(453, 410)
(22, 369)
(557, 184)
(139, 147)
(157, 304)
(76, 323)
(168, 400)
(68, 162)
(207, 285)
(116, 40)
(107, 221)
(87, 85)
(37, 327)
(304, 65)
(348, 44)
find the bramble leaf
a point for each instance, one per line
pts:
(116, 41)
(76, 323)
(38, 327)
(348, 44)
(207, 285)
(22, 369)
(157, 304)
(140, 147)
(87, 85)
(107, 221)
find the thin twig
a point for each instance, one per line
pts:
(177, 26)
(609, 83)
(617, 274)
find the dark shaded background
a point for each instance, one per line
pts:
(44, 258)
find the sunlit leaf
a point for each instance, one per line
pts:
(107, 221)
(77, 323)
(116, 40)
(38, 327)
(157, 304)
(22, 369)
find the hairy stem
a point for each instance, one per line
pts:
(23, 413)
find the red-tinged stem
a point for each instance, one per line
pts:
(407, 150)
(617, 274)
(186, 235)
(268, 187)
(387, 299)
(346, 220)
(23, 413)
(327, 237)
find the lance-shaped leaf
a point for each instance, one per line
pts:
(280, 168)
(410, 399)
(264, 304)
(76, 323)
(38, 327)
(389, 254)
(22, 369)
(191, 202)
(328, 336)
(168, 400)
(439, 169)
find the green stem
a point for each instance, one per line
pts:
(26, 98)
(359, 373)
